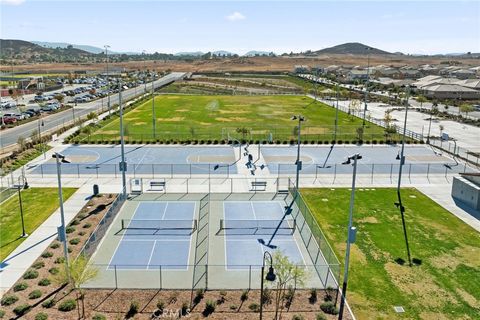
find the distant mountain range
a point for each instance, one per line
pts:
(41, 51)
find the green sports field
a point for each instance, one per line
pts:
(38, 205)
(446, 282)
(190, 117)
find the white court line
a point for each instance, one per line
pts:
(151, 253)
(141, 159)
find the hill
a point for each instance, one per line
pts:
(64, 45)
(31, 52)
(351, 48)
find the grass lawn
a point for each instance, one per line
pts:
(183, 117)
(38, 205)
(446, 285)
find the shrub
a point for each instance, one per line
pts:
(69, 249)
(53, 270)
(35, 294)
(244, 296)
(22, 309)
(199, 296)
(313, 296)
(20, 286)
(41, 316)
(47, 304)
(8, 300)
(209, 308)
(297, 317)
(185, 309)
(2, 314)
(87, 225)
(99, 316)
(133, 310)
(67, 305)
(30, 274)
(44, 282)
(267, 296)
(38, 265)
(75, 222)
(161, 305)
(255, 307)
(47, 254)
(74, 241)
(233, 307)
(320, 316)
(329, 307)
(60, 260)
(81, 233)
(69, 229)
(289, 296)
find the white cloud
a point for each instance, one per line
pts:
(236, 16)
(12, 2)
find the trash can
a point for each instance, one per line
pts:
(95, 189)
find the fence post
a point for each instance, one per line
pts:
(335, 172)
(316, 172)
(391, 169)
(428, 169)
(464, 167)
(153, 171)
(134, 170)
(171, 171)
(409, 171)
(160, 273)
(249, 277)
(446, 172)
(115, 170)
(78, 170)
(41, 169)
(116, 279)
(373, 168)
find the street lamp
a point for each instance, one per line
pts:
(41, 124)
(145, 70)
(366, 85)
(402, 162)
(153, 111)
(60, 158)
(336, 116)
(269, 277)
(123, 163)
(19, 187)
(351, 233)
(108, 82)
(298, 162)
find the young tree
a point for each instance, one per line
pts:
(287, 275)
(92, 116)
(244, 131)
(466, 107)
(59, 98)
(79, 273)
(421, 99)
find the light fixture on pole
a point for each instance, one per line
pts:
(336, 116)
(108, 82)
(351, 233)
(24, 185)
(144, 70)
(153, 111)
(269, 277)
(402, 162)
(123, 163)
(60, 158)
(298, 162)
(366, 85)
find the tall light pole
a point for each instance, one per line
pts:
(402, 162)
(60, 158)
(336, 117)
(108, 82)
(351, 233)
(270, 277)
(366, 85)
(123, 164)
(153, 111)
(298, 162)
(19, 188)
(144, 70)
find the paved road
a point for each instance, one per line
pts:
(9, 137)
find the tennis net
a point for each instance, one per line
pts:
(145, 224)
(236, 226)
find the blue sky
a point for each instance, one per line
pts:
(240, 26)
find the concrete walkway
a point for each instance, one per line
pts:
(15, 265)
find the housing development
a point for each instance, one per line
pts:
(185, 181)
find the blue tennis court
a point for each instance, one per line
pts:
(158, 234)
(249, 225)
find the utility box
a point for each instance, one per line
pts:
(95, 190)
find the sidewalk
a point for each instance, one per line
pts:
(15, 265)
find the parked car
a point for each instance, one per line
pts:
(8, 120)
(26, 115)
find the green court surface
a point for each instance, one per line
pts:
(221, 117)
(38, 205)
(445, 281)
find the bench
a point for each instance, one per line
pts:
(259, 186)
(156, 185)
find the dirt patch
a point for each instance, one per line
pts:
(467, 255)
(415, 281)
(315, 130)
(233, 111)
(368, 220)
(468, 298)
(139, 123)
(239, 119)
(357, 255)
(174, 119)
(433, 316)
